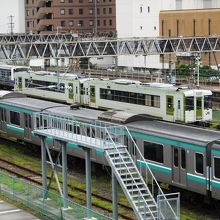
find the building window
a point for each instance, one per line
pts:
(27, 12)
(110, 22)
(62, 23)
(91, 23)
(70, 1)
(28, 24)
(70, 11)
(148, 9)
(98, 11)
(98, 22)
(15, 118)
(80, 1)
(90, 1)
(71, 23)
(110, 10)
(62, 11)
(62, 1)
(217, 167)
(177, 28)
(153, 151)
(199, 163)
(141, 9)
(104, 22)
(90, 11)
(104, 10)
(141, 27)
(80, 11)
(27, 2)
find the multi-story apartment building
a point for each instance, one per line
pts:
(76, 16)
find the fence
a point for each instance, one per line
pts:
(30, 196)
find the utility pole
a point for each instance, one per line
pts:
(197, 62)
(11, 24)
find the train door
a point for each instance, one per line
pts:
(198, 108)
(215, 174)
(3, 119)
(169, 105)
(71, 93)
(20, 83)
(179, 165)
(27, 126)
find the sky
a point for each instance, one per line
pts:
(16, 9)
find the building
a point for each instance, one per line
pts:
(75, 16)
(202, 22)
(16, 10)
(139, 18)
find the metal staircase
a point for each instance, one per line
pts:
(123, 155)
(132, 183)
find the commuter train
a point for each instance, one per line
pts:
(180, 155)
(163, 101)
(7, 74)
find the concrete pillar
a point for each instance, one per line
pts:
(43, 166)
(64, 172)
(114, 197)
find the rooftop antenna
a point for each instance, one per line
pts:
(11, 24)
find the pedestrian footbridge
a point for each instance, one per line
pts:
(140, 186)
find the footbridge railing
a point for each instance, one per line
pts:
(115, 140)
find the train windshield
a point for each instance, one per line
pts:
(22, 69)
(207, 102)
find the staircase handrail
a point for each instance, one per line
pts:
(139, 191)
(149, 170)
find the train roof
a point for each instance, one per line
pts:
(30, 103)
(10, 94)
(79, 113)
(176, 131)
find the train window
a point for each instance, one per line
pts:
(153, 151)
(198, 103)
(15, 118)
(183, 159)
(189, 103)
(1, 114)
(199, 163)
(178, 104)
(175, 157)
(217, 167)
(207, 102)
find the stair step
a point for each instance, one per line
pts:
(127, 174)
(148, 213)
(120, 159)
(119, 169)
(148, 206)
(143, 195)
(133, 184)
(136, 202)
(123, 162)
(131, 179)
(137, 189)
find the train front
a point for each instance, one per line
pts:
(198, 105)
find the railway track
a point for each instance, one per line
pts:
(35, 177)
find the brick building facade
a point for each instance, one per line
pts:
(75, 16)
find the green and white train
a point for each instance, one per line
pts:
(163, 101)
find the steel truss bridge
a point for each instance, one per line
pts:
(29, 46)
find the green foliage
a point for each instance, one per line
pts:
(189, 69)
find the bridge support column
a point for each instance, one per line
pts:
(88, 178)
(43, 166)
(114, 197)
(64, 173)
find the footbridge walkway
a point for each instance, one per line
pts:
(145, 195)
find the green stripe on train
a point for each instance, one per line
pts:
(215, 184)
(196, 178)
(14, 128)
(154, 167)
(16, 108)
(216, 152)
(72, 145)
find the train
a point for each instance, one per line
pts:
(163, 101)
(7, 74)
(183, 156)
